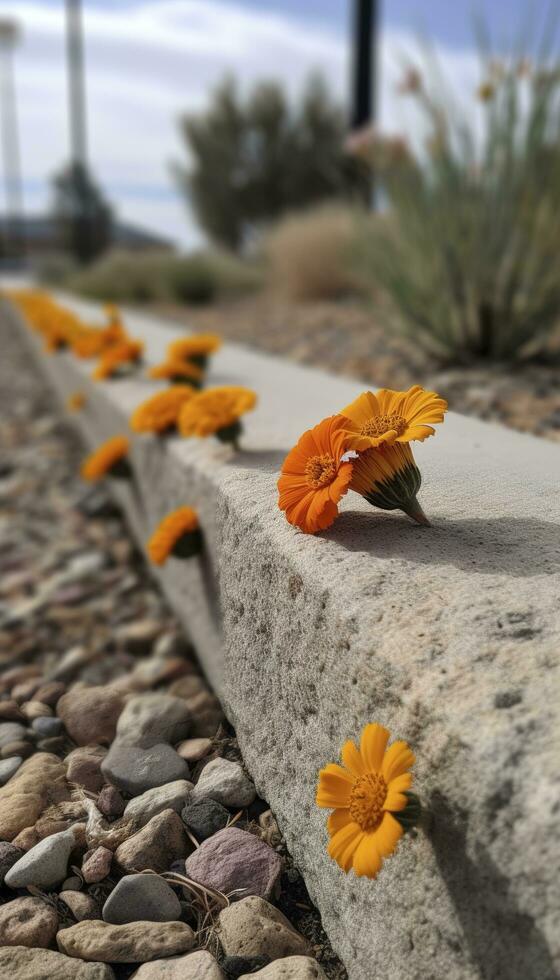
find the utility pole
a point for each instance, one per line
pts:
(14, 229)
(365, 30)
(81, 218)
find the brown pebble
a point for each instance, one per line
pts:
(24, 749)
(50, 693)
(194, 749)
(56, 744)
(26, 690)
(96, 864)
(36, 709)
(110, 802)
(26, 839)
(10, 711)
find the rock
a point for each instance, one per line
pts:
(20, 963)
(56, 744)
(9, 767)
(20, 749)
(50, 693)
(110, 802)
(96, 864)
(90, 714)
(225, 782)
(138, 637)
(84, 767)
(36, 709)
(155, 847)
(134, 770)
(236, 966)
(172, 796)
(38, 783)
(9, 854)
(134, 942)
(194, 966)
(45, 864)
(290, 968)
(72, 883)
(194, 749)
(141, 897)
(149, 719)
(171, 645)
(47, 727)
(206, 711)
(24, 691)
(70, 664)
(253, 926)
(205, 817)
(27, 838)
(235, 861)
(81, 904)
(10, 711)
(27, 922)
(12, 731)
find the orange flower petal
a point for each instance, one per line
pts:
(398, 758)
(344, 843)
(352, 759)
(367, 859)
(387, 835)
(337, 820)
(372, 746)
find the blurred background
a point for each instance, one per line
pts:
(370, 187)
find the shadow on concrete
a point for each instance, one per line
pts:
(264, 460)
(516, 546)
(503, 941)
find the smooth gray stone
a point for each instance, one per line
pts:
(142, 898)
(135, 770)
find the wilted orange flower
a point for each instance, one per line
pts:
(177, 370)
(195, 348)
(92, 341)
(315, 476)
(389, 478)
(117, 357)
(75, 401)
(392, 416)
(365, 795)
(178, 534)
(161, 411)
(107, 459)
(216, 412)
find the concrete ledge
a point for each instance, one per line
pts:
(450, 636)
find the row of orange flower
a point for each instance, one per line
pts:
(366, 448)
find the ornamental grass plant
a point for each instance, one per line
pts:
(469, 253)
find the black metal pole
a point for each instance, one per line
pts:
(364, 69)
(15, 233)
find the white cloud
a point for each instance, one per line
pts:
(149, 62)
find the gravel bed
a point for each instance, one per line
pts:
(122, 789)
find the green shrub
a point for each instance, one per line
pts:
(142, 277)
(469, 255)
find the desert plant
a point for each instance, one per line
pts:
(255, 159)
(311, 254)
(199, 277)
(469, 255)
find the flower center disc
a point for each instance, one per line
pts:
(320, 470)
(366, 800)
(380, 424)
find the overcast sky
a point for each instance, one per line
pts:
(148, 61)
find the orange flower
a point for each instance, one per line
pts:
(315, 476)
(216, 412)
(177, 370)
(178, 534)
(392, 416)
(109, 458)
(117, 357)
(75, 401)
(161, 411)
(372, 786)
(195, 348)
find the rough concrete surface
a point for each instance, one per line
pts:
(450, 636)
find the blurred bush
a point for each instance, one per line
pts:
(316, 254)
(254, 159)
(469, 255)
(198, 278)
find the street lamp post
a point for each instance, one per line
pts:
(14, 236)
(81, 217)
(364, 71)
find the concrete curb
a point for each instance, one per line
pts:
(450, 636)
